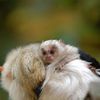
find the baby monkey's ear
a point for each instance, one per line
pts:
(62, 42)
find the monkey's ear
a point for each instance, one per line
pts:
(62, 42)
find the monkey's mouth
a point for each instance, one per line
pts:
(49, 59)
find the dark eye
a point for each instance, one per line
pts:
(44, 53)
(52, 52)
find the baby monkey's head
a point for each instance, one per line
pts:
(50, 50)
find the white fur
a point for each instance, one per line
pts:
(47, 43)
(27, 72)
(70, 83)
(71, 52)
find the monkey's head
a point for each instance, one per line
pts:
(50, 50)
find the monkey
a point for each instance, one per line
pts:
(70, 81)
(23, 72)
(18, 72)
(51, 49)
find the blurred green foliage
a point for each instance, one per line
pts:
(28, 21)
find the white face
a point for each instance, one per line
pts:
(50, 50)
(49, 53)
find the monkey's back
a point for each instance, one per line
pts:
(68, 83)
(27, 72)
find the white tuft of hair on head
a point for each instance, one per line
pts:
(52, 42)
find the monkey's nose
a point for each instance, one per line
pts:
(49, 58)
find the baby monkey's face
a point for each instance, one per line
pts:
(49, 53)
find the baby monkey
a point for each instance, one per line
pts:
(52, 49)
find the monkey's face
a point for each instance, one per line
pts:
(49, 53)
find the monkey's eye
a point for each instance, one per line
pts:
(44, 53)
(52, 52)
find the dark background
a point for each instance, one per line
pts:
(77, 22)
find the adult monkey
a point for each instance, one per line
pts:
(23, 72)
(72, 79)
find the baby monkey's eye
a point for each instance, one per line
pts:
(44, 53)
(52, 52)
